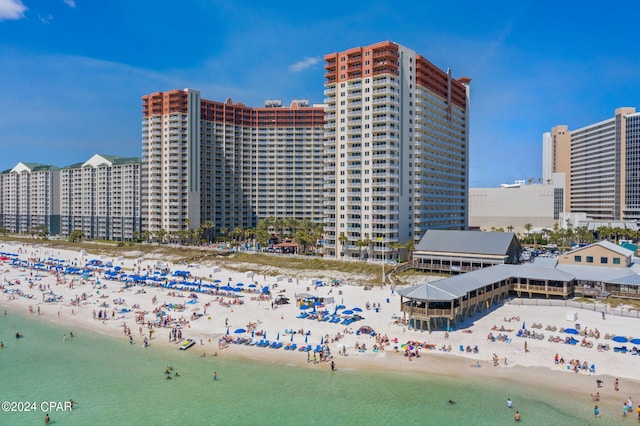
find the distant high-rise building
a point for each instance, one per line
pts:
(101, 198)
(600, 162)
(397, 150)
(29, 198)
(228, 163)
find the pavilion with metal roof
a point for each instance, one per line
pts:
(456, 252)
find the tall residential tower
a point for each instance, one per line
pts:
(601, 163)
(397, 150)
(228, 163)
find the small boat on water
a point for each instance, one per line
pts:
(187, 344)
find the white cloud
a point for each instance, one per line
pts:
(303, 64)
(46, 19)
(70, 3)
(11, 9)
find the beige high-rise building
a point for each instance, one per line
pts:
(101, 198)
(397, 150)
(29, 198)
(228, 163)
(600, 162)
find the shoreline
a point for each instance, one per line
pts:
(533, 368)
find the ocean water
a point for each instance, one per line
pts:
(113, 382)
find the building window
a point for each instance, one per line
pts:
(577, 259)
(589, 259)
(616, 260)
(604, 260)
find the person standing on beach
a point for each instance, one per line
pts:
(333, 366)
(215, 376)
(615, 385)
(509, 403)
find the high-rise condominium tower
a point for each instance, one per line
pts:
(601, 165)
(228, 163)
(397, 150)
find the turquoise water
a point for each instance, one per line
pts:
(113, 382)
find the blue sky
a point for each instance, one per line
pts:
(73, 71)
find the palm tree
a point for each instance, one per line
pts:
(205, 230)
(367, 243)
(161, 234)
(343, 240)
(76, 236)
(410, 245)
(395, 246)
(359, 243)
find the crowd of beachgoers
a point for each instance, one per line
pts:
(309, 321)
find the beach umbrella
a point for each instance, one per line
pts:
(571, 331)
(635, 341)
(620, 339)
(239, 284)
(356, 309)
(303, 307)
(216, 281)
(240, 331)
(347, 312)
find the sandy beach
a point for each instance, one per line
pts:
(112, 307)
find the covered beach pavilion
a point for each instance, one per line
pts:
(449, 300)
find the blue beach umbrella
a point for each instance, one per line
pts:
(620, 339)
(356, 309)
(303, 307)
(240, 331)
(635, 341)
(571, 331)
(347, 312)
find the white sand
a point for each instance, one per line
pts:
(211, 327)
